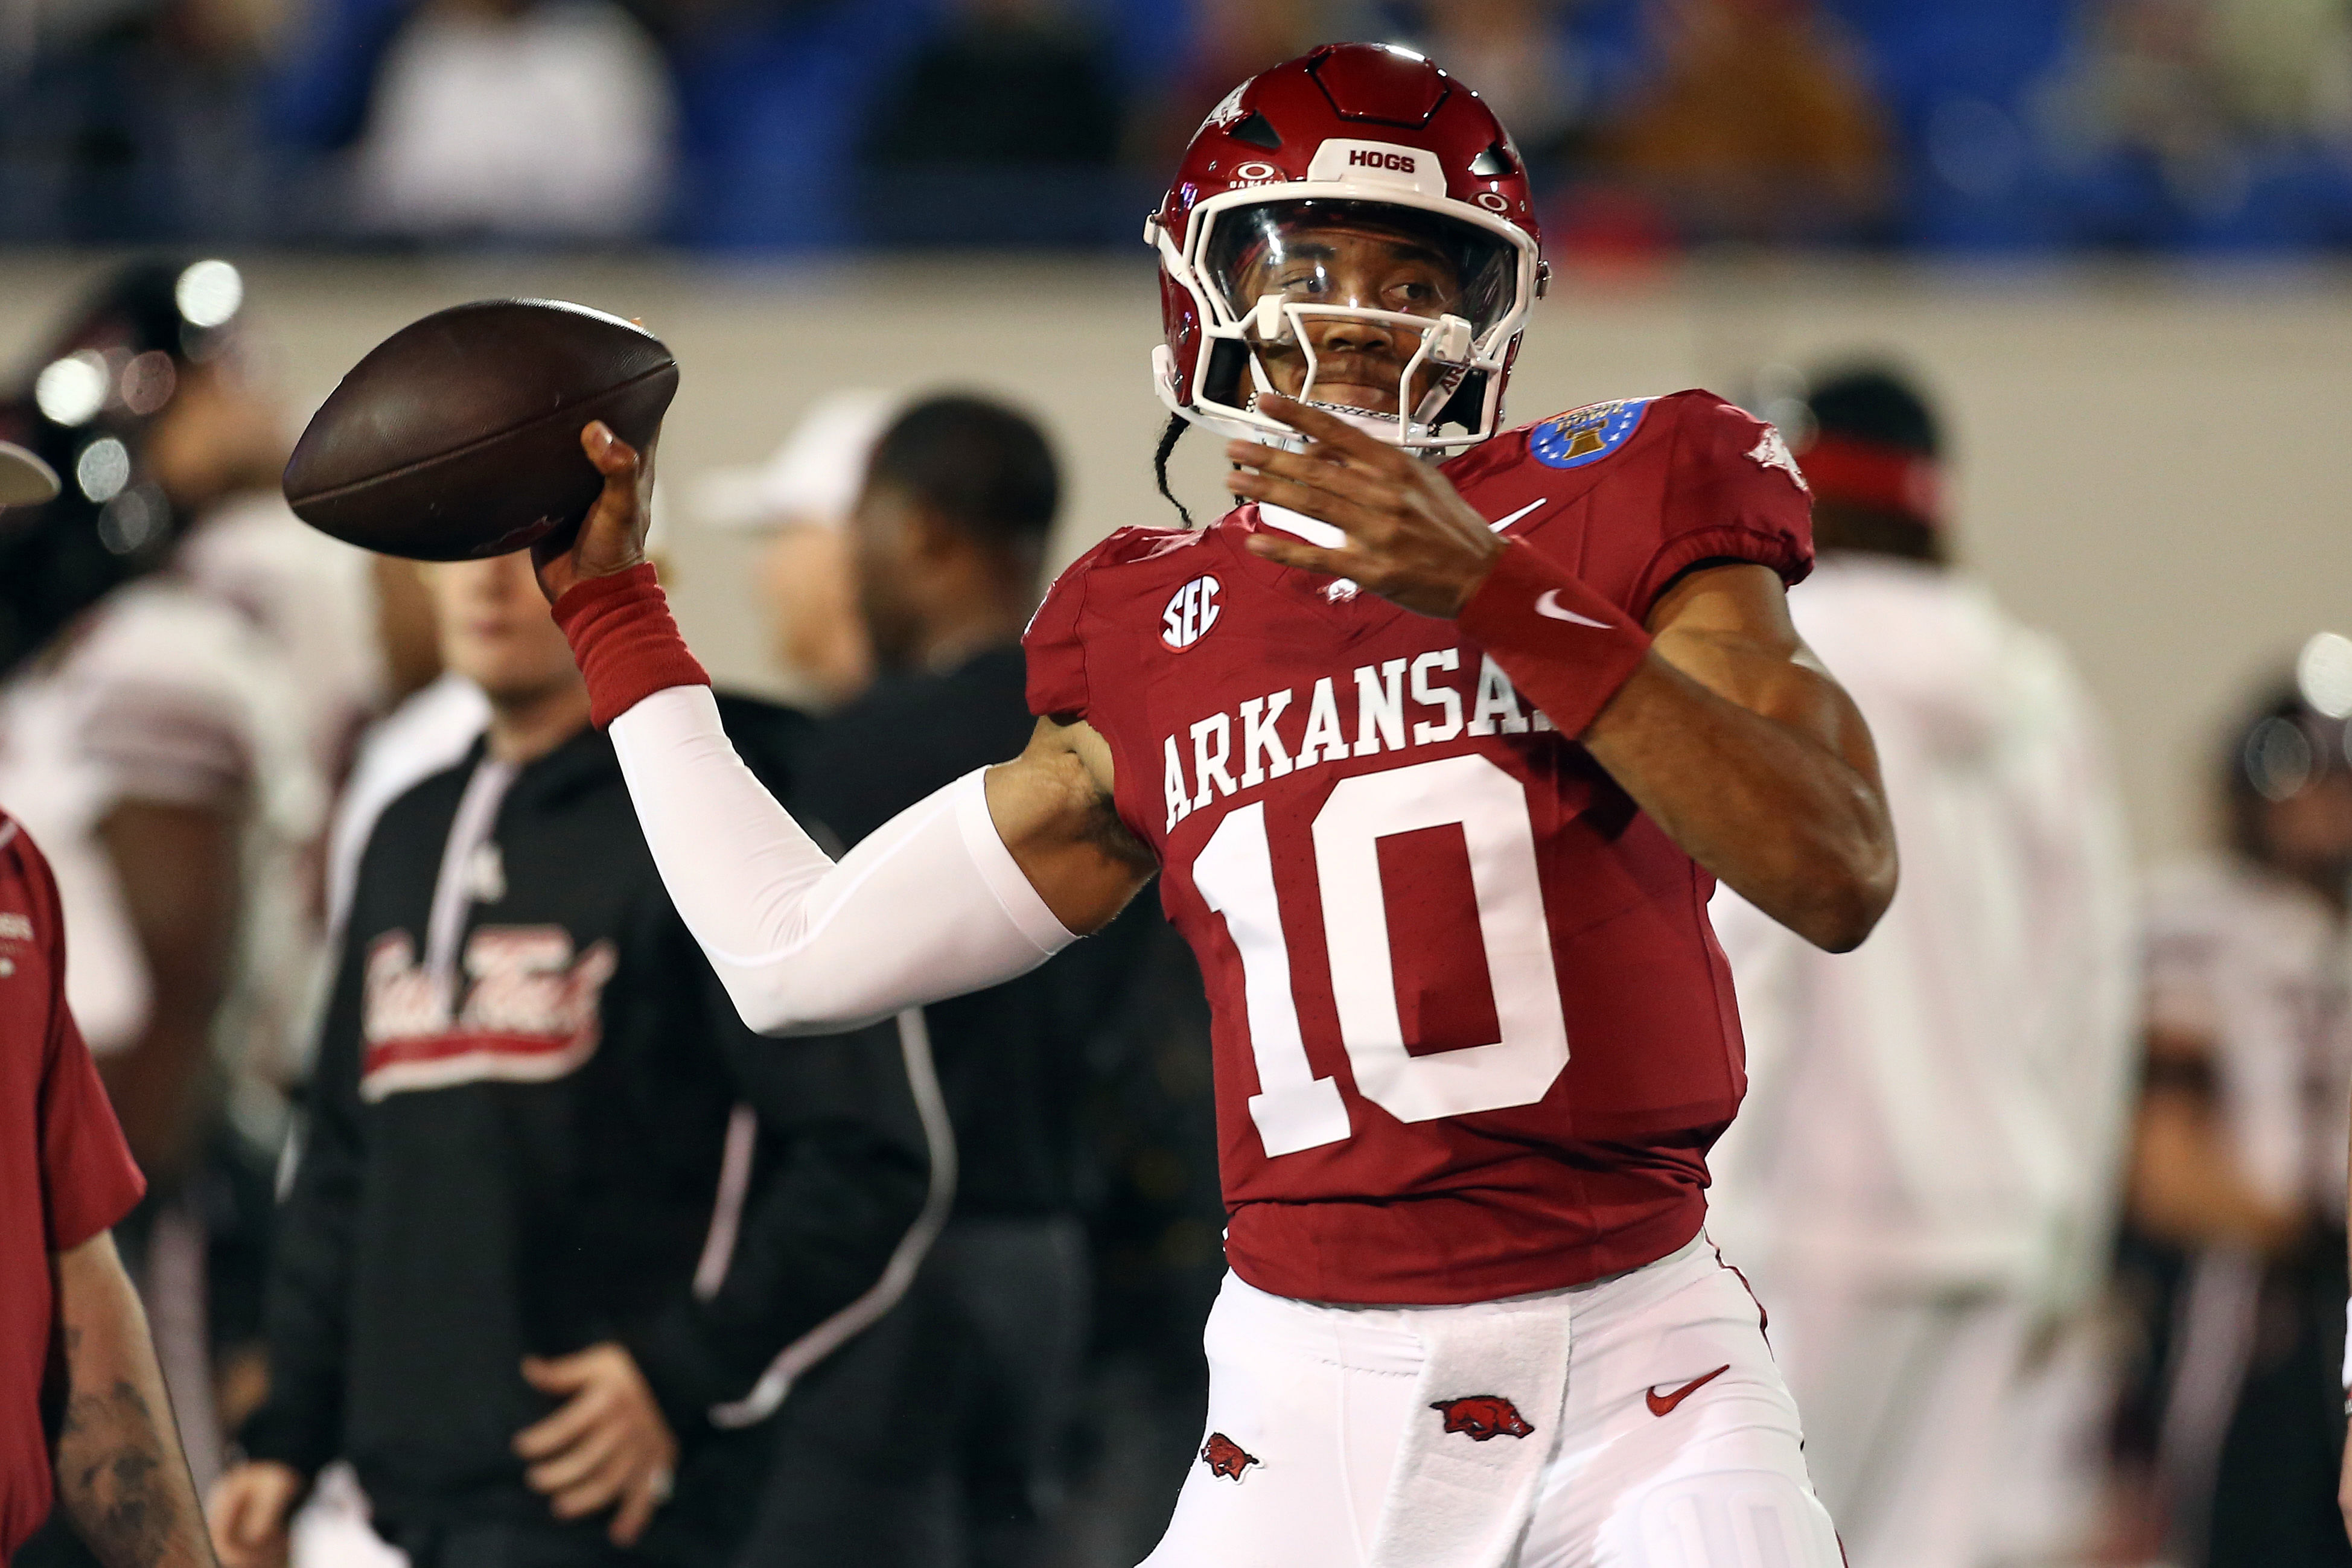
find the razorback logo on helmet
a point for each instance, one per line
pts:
(1225, 1457)
(1190, 613)
(1482, 1417)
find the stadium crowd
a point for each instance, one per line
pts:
(2062, 1282)
(1650, 124)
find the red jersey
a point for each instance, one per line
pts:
(1473, 1033)
(64, 1172)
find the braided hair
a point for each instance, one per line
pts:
(1177, 426)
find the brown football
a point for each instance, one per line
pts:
(459, 435)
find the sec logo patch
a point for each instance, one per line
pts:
(1586, 434)
(1190, 613)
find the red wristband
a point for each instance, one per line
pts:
(1565, 647)
(624, 641)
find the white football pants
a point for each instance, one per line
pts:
(1676, 1446)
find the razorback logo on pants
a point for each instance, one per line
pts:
(1226, 1457)
(530, 1012)
(1483, 1415)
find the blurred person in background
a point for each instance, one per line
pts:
(949, 533)
(1526, 62)
(1004, 127)
(85, 1424)
(1756, 123)
(2175, 113)
(2234, 1256)
(561, 1226)
(172, 698)
(1232, 41)
(496, 120)
(1919, 1183)
(801, 500)
(136, 120)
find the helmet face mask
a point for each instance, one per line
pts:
(1369, 310)
(1352, 229)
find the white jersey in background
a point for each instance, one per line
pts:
(2257, 966)
(163, 694)
(1925, 1169)
(312, 597)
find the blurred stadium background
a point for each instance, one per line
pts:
(2147, 457)
(2110, 237)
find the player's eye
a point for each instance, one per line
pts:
(1417, 294)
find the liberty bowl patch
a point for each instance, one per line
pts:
(1586, 434)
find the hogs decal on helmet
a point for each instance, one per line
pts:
(1374, 143)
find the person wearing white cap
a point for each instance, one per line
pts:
(802, 498)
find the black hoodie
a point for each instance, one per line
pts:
(541, 1172)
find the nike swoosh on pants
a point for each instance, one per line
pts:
(1664, 1404)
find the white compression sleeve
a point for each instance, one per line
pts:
(932, 906)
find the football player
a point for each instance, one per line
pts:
(1437, 762)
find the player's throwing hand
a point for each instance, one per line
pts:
(1411, 539)
(612, 537)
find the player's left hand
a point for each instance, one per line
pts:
(609, 1444)
(1410, 538)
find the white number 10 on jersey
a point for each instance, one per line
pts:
(1294, 1110)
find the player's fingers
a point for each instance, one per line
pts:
(1305, 557)
(579, 1465)
(249, 1506)
(1331, 430)
(596, 1492)
(613, 458)
(231, 1516)
(637, 1505)
(1361, 523)
(558, 1431)
(1353, 482)
(561, 1373)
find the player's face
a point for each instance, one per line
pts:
(495, 628)
(1358, 364)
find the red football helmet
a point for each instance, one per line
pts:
(1361, 134)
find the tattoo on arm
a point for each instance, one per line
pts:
(122, 1480)
(117, 1482)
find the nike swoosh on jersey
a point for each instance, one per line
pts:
(1505, 522)
(1549, 605)
(1664, 1404)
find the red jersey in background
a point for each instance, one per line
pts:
(66, 1173)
